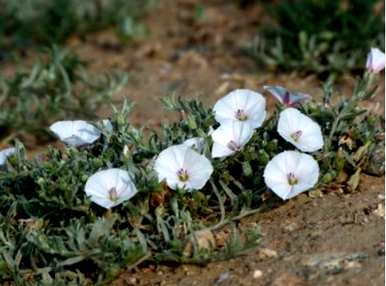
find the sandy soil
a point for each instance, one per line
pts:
(330, 239)
(317, 239)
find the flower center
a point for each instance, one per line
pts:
(232, 145)
(113, 194)
(296, 135)
(292, 180)
(182, 175)
(241, 115)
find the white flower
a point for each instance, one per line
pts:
(75, 133)
(375, 60)
(182, 167)
(230, 138)
(106, 124)
(300, 130)
(5, 153)
(291, 173)
(197, 143)
(241, 105)
(109, 188)
(286, 97)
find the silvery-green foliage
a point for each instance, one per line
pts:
(53, 89)
(323, 37)
(25, 23)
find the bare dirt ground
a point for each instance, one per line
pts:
(333, 238)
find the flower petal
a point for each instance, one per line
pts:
(302, 166)
(100, 184)
(292, 121)
(5, 153)
(250, 102)
(375, 60)
(75, 133)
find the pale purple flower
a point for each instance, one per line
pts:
(300, 130)
(230, 138)
(241, 105)
(286, 97)
(290, 173)
(182, 167)
(111, 187)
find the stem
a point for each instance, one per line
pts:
(332, 132)
(222, 209)
(139, 261)
(235, 218)
(7, 139)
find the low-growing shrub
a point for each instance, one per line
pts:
(323, 37)
(51, 232)
(54, 88)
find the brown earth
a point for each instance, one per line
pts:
(334, 239)
(317, 239)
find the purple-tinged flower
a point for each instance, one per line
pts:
(286, 97)
(241, 105)
(109, 188)
(290, 173)
(375, 60)
(182, 167)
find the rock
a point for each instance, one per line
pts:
(131, 281)
(221, 237)
(352, 265)
(257, 274)
(332, 263)
(316, 193)
(288, 279)
(380, 211)
(292, 226)
(266, 253)
(204, 240)
(223, 277)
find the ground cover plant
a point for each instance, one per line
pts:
(63, 222)
(323, 37)
(27, 23)
(57, 86)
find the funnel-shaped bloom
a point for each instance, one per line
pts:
(241, 105)
(290, 173)
(182, 167)
(75, 133)
(5, 153)
(111, 187)
(375, 60)
(286, 97)
(230, 138)
(300, 130)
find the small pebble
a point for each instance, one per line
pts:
(267, 253)
(257, 274)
